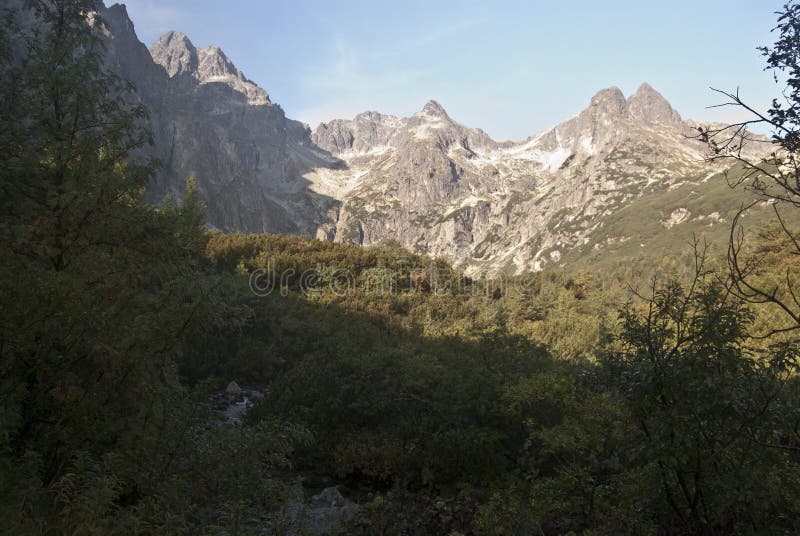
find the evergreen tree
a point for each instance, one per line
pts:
(97, 287)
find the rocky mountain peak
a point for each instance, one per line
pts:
(370, 117)
(215, 66)
(176, 53)
(119, 13)
(434, 109)
(650, 106)
(610, 100)
(214, 63)
(178, 56)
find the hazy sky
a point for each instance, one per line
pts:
(511, 68)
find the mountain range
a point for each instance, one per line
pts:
(618, 176)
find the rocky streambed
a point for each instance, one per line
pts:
(231, 405)
(308, 510)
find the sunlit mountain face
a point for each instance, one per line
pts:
(432, 184)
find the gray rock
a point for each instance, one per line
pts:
(176, 54)
(321, 515)
(328, 510)
(649, 106)
(233, 391)
(329, 498)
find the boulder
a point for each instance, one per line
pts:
(233, 391)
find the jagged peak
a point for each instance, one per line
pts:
(174, 39)
(645, 88)
(171, 35)
(649, 105)
(122, 8)
(369, 115)
(214, 62)
(120, 14)
(214, 50)
(610, 99)
(434, 109)
(176, 53)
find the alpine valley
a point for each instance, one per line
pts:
(576, 192)
(217, 320)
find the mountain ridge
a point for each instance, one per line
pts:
(427, 181)
(496, 206)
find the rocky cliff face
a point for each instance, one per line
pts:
(434, 185)
(209, 120)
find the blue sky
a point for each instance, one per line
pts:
(511, 68)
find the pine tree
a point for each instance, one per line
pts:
(96, 286)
